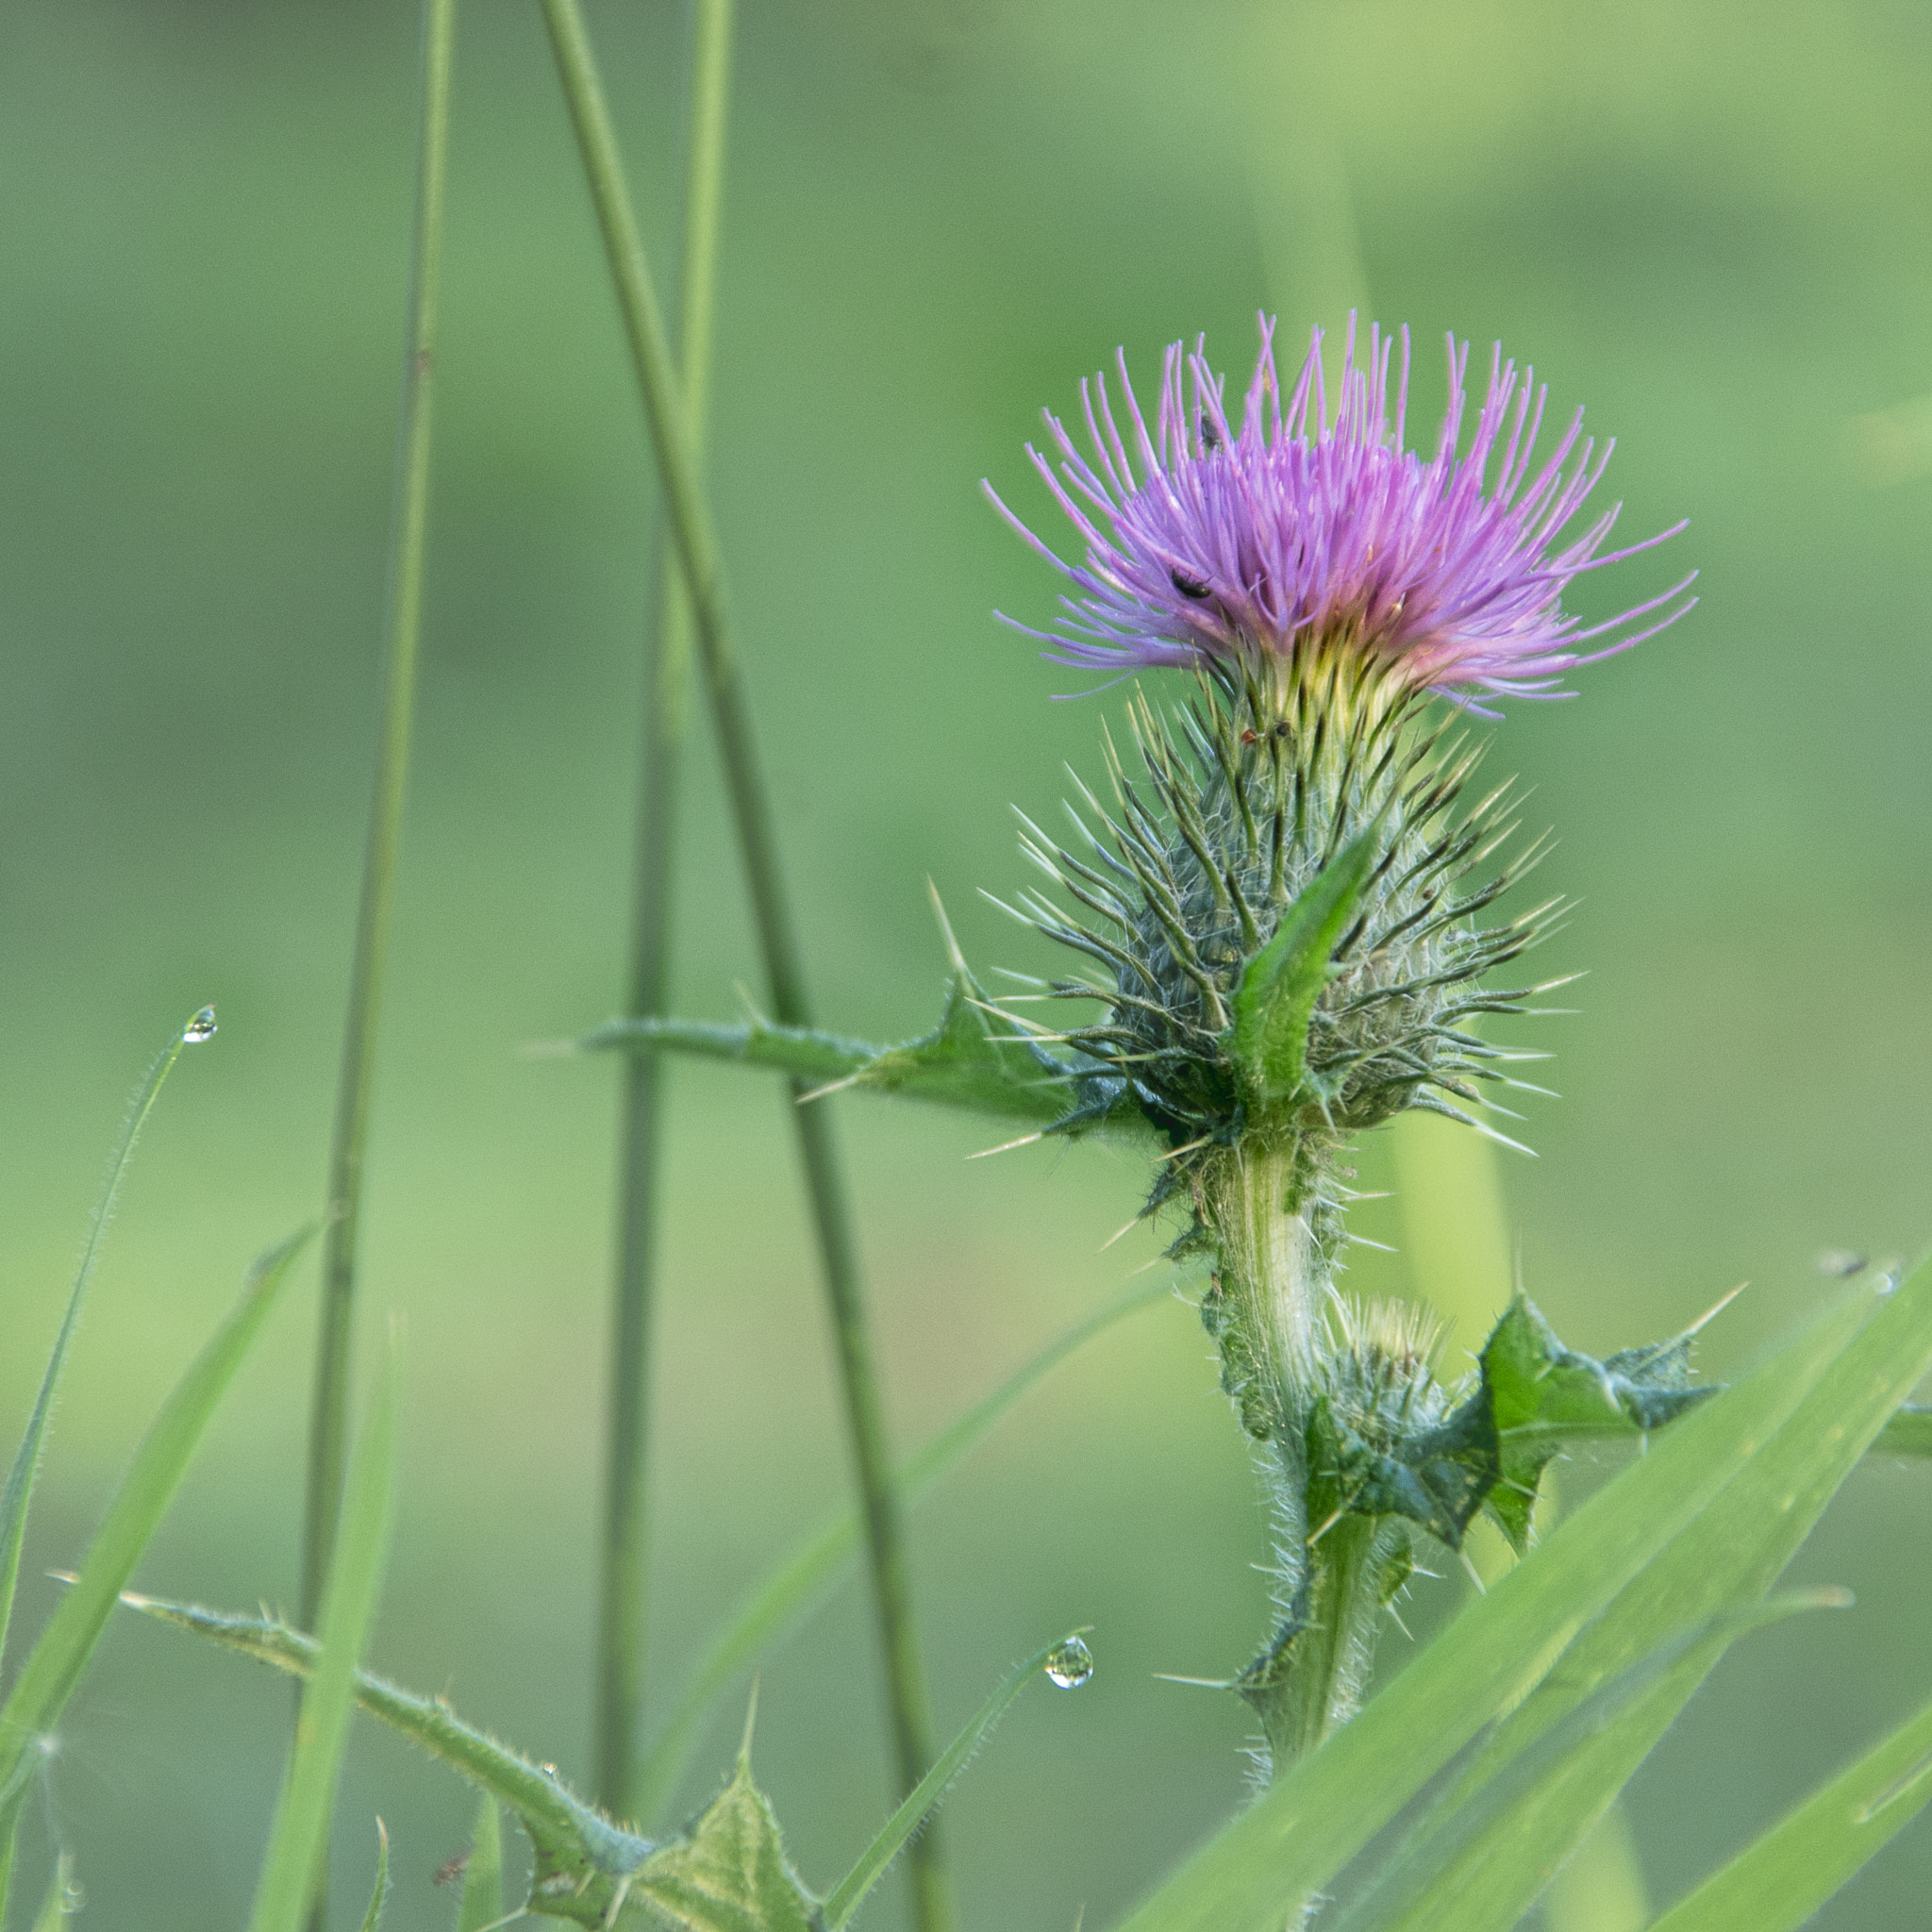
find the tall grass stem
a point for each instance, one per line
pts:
(696, 546)
(623, 1609)
(329, 1424)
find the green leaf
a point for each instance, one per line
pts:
(20, 1478)
(60, 1899)
(1325, 1809)
(796, 1585)
(1472, 1866)
(1908, 1433)
(54, 1666)
(298, 1841)
(972, 1059)
(1779, 1882)
(582, 1858)
(371, 1919)
(1720, 1567)
(482, 1901)
(727, 1873)
(1543, 1396)
(931, 1790)
(1275, 1000)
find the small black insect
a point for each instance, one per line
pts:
(1187, 585)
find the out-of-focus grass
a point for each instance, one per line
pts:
(1710, 226)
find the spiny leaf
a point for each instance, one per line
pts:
(795, 1584)
(1779, 1882)
(54, 1665)
(482, 1900)
(1542, 1395)
(728, 1873)
(371, 1919)
(20, 1478)
(850, 1893)
(584, 1855)
(1279, 986)
(1325, 1807)
(972, 1060)
(298, 1841)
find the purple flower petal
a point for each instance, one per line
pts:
(1303, 530)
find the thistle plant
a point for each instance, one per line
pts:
(1288, 897)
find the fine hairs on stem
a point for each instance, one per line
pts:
(696, 546)
(328, 1426)
(621, 1607)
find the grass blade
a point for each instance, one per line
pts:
(1478, 1863)
(59, 1900)
(482, 1903)
(26, 1460)
(690, 522)
(621, 1654)
(1779, 1882)
(298, 1841)
(328, 1429)
(1324, 1809)
(850, 1891)
(371, 1919)
(55, 1664)
(1908, 1433)
(796, 1585)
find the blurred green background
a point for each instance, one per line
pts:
(1710, 222)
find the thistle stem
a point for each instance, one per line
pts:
(328, 1425)
(1263, 1202)
(623, 1591)
(698, 559)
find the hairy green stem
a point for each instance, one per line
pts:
(698, 558)
(622, 1590)
(328, 1425)
(1276, 1235)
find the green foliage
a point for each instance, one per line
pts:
(726, 1873)
(1275, 1000)
(794, 1585)
(298, 1841)
(54, 1665)
(584, 1854)
(14, 1498)
(1537, 1396)
(1779, 1882)
(378, 1897)
(482, 1900)
(62, 1898)
(1487, 1855)
(1908, 1433)
(972, 1059)
(850, 1893)
(1697, 1528)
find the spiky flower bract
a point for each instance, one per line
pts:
(1300, 531)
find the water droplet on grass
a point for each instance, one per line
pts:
(1071, 1664)
(199, 1028)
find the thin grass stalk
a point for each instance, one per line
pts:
(623, 1586)
(696, 546)
(328, 1423)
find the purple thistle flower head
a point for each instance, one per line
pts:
(1252, 552)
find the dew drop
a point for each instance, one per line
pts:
(1071, 1664)
(199, 1028)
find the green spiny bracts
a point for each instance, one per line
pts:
(1286, 898)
